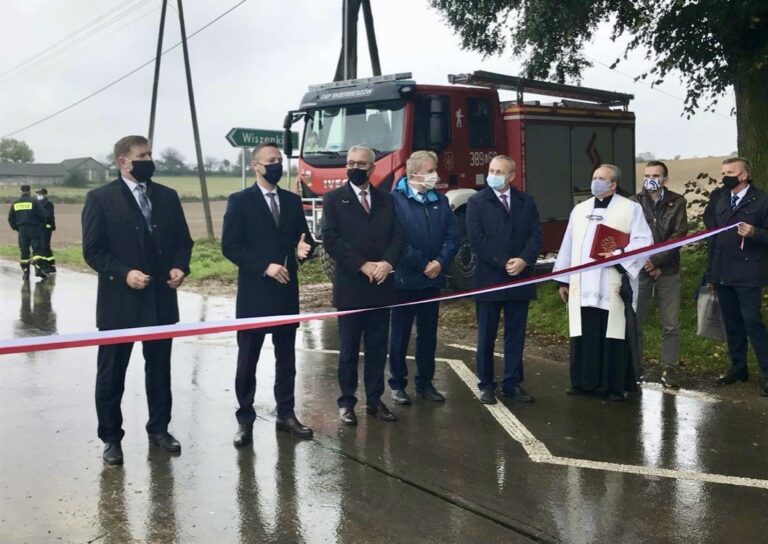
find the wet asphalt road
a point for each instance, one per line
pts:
(443, 473)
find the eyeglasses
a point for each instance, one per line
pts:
(358, 164)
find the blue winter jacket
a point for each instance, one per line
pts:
(431, 233)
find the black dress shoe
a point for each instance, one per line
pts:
(732, 377)
(166, 441)
(243, 436)
(347, 416)
(293, 426)
(487, 396)
(764, 387)
(517, 393)
(113, 453)
(381, 411)
(399, 396)
(430, 393)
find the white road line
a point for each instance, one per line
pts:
(539, 453)
(698, 395)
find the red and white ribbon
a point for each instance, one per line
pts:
(139, 334)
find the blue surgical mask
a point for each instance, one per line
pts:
(600, 186)
(495, 182)
(651, 185)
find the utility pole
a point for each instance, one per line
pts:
(158, 56)
(196, 132)
(347, 66)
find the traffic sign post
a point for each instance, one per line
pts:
(251, 137)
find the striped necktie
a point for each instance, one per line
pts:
(145, 205)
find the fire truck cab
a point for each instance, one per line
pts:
(556, 146)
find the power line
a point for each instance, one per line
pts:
(67, 37)
(55, 57)
(121, 78)
(657, 89)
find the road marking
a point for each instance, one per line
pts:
(698, 395)
(538, 452)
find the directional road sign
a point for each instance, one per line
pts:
(251, 137)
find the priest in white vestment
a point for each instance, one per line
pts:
(600, 359)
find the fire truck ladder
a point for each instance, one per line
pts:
(521, 85)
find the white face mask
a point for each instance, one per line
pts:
(427, 182)
(600, 186)
(40, 197)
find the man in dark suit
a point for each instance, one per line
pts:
(505, 234)
(264, 231)
(363, 236)
(738, 267)
(136, 237)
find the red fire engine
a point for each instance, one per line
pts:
(556, 145)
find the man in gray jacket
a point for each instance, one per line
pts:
(665, 212)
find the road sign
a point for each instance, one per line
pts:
(251, 137)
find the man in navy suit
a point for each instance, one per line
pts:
(264, 232)
(505, 234)
(363, 236)
(136, 238)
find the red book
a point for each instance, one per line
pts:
(607, 239)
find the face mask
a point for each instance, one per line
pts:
(495, 182)
(142, 170)
(357, 177)
(428, 181)
(40, 197)
(600, 186)
(730, 181)
(273, 172)
(651, 185)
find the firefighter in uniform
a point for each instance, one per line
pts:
(48, 261)
(27, 217)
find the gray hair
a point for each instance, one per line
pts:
(616, 175)
(416, 160)
(368, 150)
(510, 161)
(744, 164)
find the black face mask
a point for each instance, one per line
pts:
(730, 181)
(357, 177)
(142, 170)
(273, 172)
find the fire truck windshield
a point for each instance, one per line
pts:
(330, 131)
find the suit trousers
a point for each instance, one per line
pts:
(425, 316)
(249, 344)
(666, 289)
(112, 364)
(515, 318)
(373, 327)
(740, 307)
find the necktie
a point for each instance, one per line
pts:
(273, 208)
(504, 201)
(364, 202)
(734, 201)
(144, 205)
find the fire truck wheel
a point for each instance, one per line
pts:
(327, 263)
(462, 269)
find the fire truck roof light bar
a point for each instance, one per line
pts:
(522, 85)
(361, 81)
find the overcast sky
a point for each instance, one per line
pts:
(253, 65)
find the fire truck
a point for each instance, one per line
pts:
(556, 145)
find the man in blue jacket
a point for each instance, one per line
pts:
(505, 234)
(431, 243)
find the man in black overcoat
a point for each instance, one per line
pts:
(265, 230)
(363, 236)
(135, 236)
